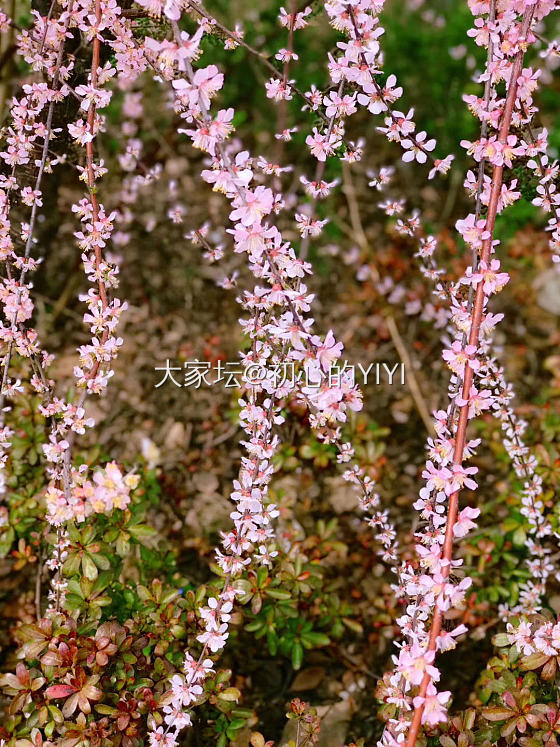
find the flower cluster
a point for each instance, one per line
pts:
(108, 489)
(358, 65)
(533, 637)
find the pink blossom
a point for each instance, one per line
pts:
(458, 357)
(434, 705)
(417, 148)
(493, 280)
(464, 524)
(252, 206)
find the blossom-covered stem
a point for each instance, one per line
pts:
(96, 52)
(484, 125)
(319, 172)
(379, 89)
(283, 104)
(201, 10)
(223, 597)
(460, 437)
(37, 188)
(524, 465)
(95, 58)
(480, 183)
(64, 499)
(47, 140)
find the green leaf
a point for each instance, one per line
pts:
(6, 541)
(312, 640)
(141, 532)
(533, 661)
(71, 565)
(262, 575)
(123, 544)
(297, 655)
(353, 625)
(101, 561)
(510, 524)
(74, 587)
(252, 627)
(501, 640)
(278, 594)
(74, 602)
(235, 725)
(56, 714)
(74, 532)
(143, 593)
(106, 710)
(519, 537)
(231, 694)
(89, 568)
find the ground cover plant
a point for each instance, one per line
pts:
(280, 401)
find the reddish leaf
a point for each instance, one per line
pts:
(22, 674)
(59, 691)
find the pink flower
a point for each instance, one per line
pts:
(441, 166)
(214, 639)
(296, 21)
(446, 639)
(329, 351)
(473, 231)
(437, 479)
(250, 207)
(184, 693)
(522, 637)
(417, 148)
(80, 132)
(207, 81)
(414, 662)
(457, 358)
(321, 146)
(493, 281)
(172, 9)
(159, 738)
(464, 524)
(339, 106)
(377, 99)
(461, 477)
(398, 126)
(434, 702)
(252, 239)
(308, 227)
(278, 90)
(477, 401)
